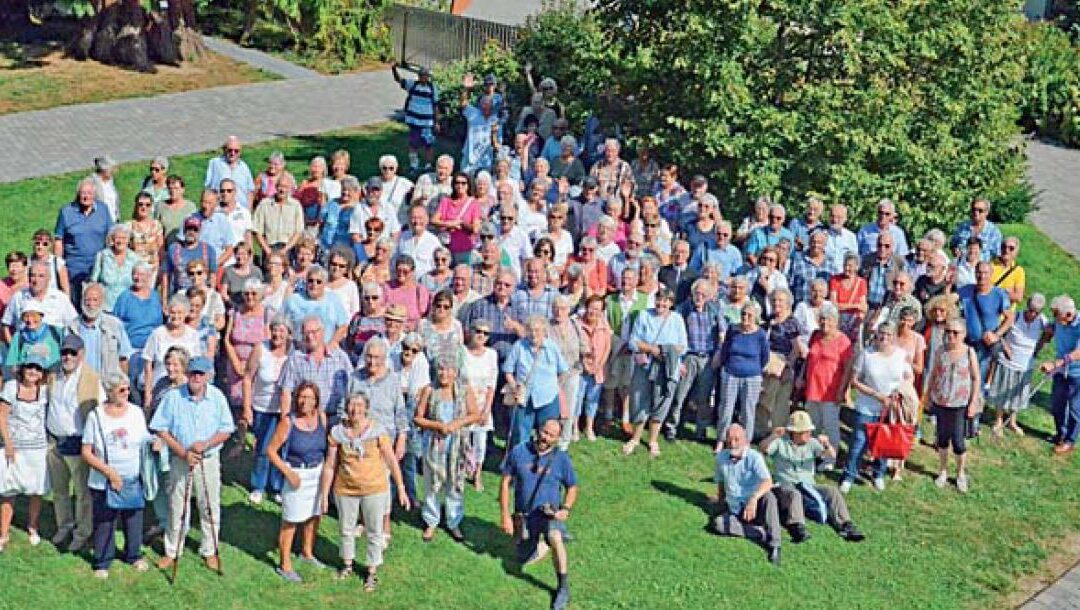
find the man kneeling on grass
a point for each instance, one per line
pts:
(793, 451)
(747, 506)
(539, 473)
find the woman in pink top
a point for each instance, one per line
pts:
(458, 219)
(404, 290)
(827, 374)
(594, 360)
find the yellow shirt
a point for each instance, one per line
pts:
(1015, 280)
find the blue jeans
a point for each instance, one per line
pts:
(589, 396)
(985, 354)
(858, 448)
(264, 477)
(530, 417)
(408, 477)
(1065, 404)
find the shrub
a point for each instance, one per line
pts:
(493, 59)
(1050, 89)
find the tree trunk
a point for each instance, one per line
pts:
(189, 42)
(123, 33)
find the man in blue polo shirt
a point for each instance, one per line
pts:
(540, 473)
(988, 313)
(216, 230)
(769, 235)
(194, 421)
(1065, 395)
(80, 233)
(748, 509)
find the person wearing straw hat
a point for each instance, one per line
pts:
(194, 421)
(34, 337)
(793, 451)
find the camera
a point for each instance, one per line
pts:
(548, 509)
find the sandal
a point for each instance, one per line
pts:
(1017, 429)
(370, 582)
(344, 573)
(429, 534)
(629, 447)
(654, 450)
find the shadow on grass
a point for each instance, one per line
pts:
(692, 497)
(485, 538)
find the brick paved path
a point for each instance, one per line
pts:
(1063, 594)
(260, 60)
(1055, 172)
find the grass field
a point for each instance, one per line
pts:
(35, 76)
(639, 523)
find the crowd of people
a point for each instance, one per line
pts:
(372, 334)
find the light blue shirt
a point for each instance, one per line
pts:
(190, 420)
(990, 236)
(1066, 339)
(729, 258)
(868, 234)
(654, 330)
(763, 237)
(217, 233)
(91, 337)
(741, 478)
(839, 243)
(548, 365)
(328, 308)
(218, 169)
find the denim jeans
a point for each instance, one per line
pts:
(589, 396)
(530, 417)
(264, 477)
(408, 477)
(1065, 404)
(858, 447)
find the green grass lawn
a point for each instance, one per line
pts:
(639, 523)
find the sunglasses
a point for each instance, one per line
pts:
(979, 210)
(776, 217)
(556, 216)
(388, 168)
(443, 306)
(69, 352)
(953, 332)
(144, 204)
(228, 190)
(505, 218)
(481, 331)
(588, 250)
(314, 280)
(371, 297)
(410, 350)
(42, 242)
(196, 272)
(652, 226)
(460, 183)
(338, 265)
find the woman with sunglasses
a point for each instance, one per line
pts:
(246, 328)
(339, 264)
(113, 439)
(458, 218)
(147, 234)
(23, 470)
(954, 389)
(114, 264)
(213, 306)
(42, 251)
(277, 287)
(480, 367)
(154, 183)
(438, 279)
(441, 331)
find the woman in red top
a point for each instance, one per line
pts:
(827, 375)
(847, 291)
(311, 194)
(458, 219)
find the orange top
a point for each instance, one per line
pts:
(360, 467)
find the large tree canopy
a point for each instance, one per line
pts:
(850, 99)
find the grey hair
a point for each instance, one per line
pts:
(886, 327)
(141, 267)
(351, 183)
(483, 176)
(829, 311)
(568, 140)
(574, 270)
(819, 282)
(753, 307)
(782, 293)
(589, 241)
(179, 300)
(1014, 239)
(254, 284)
(613, 142)
(885, 202)
(740, 279)
(710, 199)
(936, 236)
(561, 300)
(277, 155)
(312, 318)
(607, 221)
(114, 380)
(713, 266)
(376, 342)
(317, 271)
(118, 228)
(445, 159)
(1063, 304)
(87, 181)
(319, 160)
(852, 256)
(776, 207)
(665, 293)
(92, 286)
(1037, 301)
(724, 224)
(537, 320)
(383, 160)
(280, 320)
(162, 161)
(413, 339)
(370, 288)
(679, 242)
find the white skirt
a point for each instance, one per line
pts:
(28, 475)
(298, 504)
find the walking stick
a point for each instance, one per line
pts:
(180, 534)
(210, 518)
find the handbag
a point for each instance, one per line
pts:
(775, 366)
(888, 439)
(130, 496)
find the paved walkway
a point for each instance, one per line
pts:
(510, 12)
(260, 60)
(1065, 593)
(1055, 172)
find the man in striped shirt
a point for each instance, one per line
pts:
(421, 115)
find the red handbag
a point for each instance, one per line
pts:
(888, 439)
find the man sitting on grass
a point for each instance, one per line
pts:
(793, 451)
(747, 508)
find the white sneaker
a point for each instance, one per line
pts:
(101, 574)
(845, 487)
(34, 538)
(942, 480)
(826, 467)
(962, 483)
(278, 499)
(255, 497)
(879, 483)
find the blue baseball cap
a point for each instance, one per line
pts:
(201, 365)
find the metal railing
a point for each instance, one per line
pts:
(426, 38)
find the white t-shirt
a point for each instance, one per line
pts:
(1021, 339)
(349, 295)
(395, 191)
(240, 222)
(608, 252)
(64, 416)
(481, 373)
(564, 244)
(57, 306)
(363, 212)
(422, 249)
(417, 377)
(122, 436)
(159, 342)
(265, 382)
(883, 374)
(531, 221)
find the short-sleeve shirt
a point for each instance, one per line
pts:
(360, 469)
(121, 438)
(546, 366)
(982, 312)
(329, 309)
(478, 150)
(189, 419)
(825, 364)
(794, 464)
(740, 477)
(82, 234)
(467, 211)
(26, 418)
(526, 466)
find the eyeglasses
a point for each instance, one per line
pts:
(461, 183)
(156, 169)
(232, 150)
(584, 250)
(388, 168)
(410, 350)
(634, 244)
(768, 259)
(338, 265)
(556, 216)
(144, 204)
(481, 331)
(228, 190)
(652, 225)
(443, 306)
(771, 217)
(371, 297)
(251, 293)
(979, 210)
(728, 234)
(885, 246)
(314, 280)
(506, 218)
(952, 331)
(545, 251)
(196, 272)
(42, 242)
(122, 388)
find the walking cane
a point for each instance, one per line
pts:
(210, 518)
(180, 534)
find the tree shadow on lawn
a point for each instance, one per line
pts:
(690, 496)
(485, 538)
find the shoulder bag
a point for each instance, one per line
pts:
(889, 439)
(131, 495)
